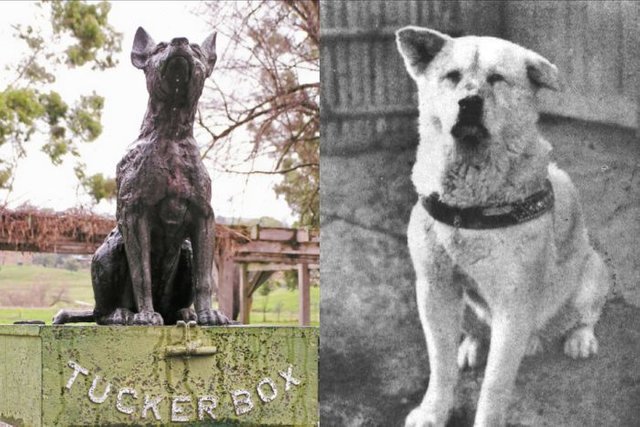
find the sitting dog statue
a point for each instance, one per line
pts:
(158, 260)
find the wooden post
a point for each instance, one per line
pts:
(303, 289)
(245, 305)
(226, 275)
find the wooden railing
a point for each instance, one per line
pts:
(245, 256)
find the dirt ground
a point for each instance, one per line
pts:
(373, 372)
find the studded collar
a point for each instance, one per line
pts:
(492, 216)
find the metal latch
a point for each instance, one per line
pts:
(191, 347)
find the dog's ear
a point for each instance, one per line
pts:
(418, 47)
(542, 73)
(209, 49)
(143, 45)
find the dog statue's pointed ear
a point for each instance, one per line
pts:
(418, 47)
(143, 45)
(209, 49)
(542, 73)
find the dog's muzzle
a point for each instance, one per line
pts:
(469, 128)
(177, 70)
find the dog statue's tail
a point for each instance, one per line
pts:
(73, 316)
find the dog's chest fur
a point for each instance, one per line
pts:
(166, 177)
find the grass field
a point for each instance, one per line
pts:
(28, 291)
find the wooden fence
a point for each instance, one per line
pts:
(365, 87)
(245, 256)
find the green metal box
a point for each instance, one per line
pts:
(137, 375)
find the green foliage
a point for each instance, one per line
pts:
(99, 187)
(95, 39)
(27, 107)
(84, 119)
(266, 288)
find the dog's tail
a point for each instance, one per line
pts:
(73, 316)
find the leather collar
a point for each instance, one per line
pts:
(492, 216)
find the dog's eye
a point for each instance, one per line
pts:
(160, 47)
(495, 78)
(196, 48)
(453, 76)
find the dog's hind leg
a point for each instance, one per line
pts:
(119, 316)
(111, 282)
(588, 301)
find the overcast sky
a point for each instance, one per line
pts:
(44, 185)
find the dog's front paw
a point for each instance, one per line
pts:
(119, 316)
(186, 315)
(148, 318)
(471, 353)
(419, 417)
(211, 317)
(581, 343)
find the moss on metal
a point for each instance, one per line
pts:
(96, 375)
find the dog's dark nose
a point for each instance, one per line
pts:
(179, 41)
(471, 106)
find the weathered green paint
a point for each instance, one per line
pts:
(161, 362)
(20, 376)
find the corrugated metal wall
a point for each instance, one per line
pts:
(594, 44)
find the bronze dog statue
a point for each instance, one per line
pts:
(146, 272)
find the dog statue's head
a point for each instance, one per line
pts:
(175, 71)
(474, 90)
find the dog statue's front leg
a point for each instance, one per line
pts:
(137, 243)
(510, 332)
(203, 241)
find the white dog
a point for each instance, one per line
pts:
(497, 226)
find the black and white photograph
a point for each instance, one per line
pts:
(479, 213)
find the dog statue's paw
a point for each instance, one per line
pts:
(119, 316)
(581, 343)
(470, 353)
(213, 318)
(419, 417)
(186, 315)
(534, 346)
(147, 317)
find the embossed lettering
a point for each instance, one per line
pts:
(77, 369)
(153, 405)
(119, 400)
(288, 378)
(267, 397)
(242, 401)
(92, 391)
(176, 411)
(206, 405)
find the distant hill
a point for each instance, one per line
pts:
(265, 221)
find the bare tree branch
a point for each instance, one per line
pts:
(276, 172)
